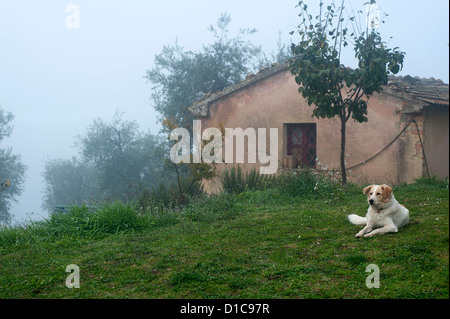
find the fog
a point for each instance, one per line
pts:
(56, 80)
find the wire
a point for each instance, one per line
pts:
(387, 146)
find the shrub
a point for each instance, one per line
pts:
(305, 183)
(162, 196)
(79, 220)
(235, 182)
(117, 217)
(19, 235)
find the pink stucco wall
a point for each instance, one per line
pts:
(275, 101)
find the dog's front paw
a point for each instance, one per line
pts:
(359, 235)
(369, 235)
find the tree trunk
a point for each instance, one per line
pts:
(343, 171)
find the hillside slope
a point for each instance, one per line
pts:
(267, 246)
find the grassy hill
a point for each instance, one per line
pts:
(257, 244)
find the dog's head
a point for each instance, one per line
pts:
(378, 195)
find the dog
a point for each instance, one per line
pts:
(385, 214)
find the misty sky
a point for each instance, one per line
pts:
(56, 80)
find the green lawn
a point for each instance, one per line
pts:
(258, 244)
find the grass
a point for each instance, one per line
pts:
(256, 244)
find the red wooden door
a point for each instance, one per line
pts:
(301, 144)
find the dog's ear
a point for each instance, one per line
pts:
(387, 191)
(367, 189)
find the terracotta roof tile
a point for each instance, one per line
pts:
(431, 91)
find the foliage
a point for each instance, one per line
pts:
(234, 181)
(69, 182)
(12, 170)
(190, 174)
(305, 183)
(333, 89)
(117, 162)
(283, 53)
(252, 245)
(159, 206)
(165, 196)
(78, 222)
(212, 208)
(118, 217)
(5, 123)
(432, 181)
(126, 160)
(181, 77)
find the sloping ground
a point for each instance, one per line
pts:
(268, 248)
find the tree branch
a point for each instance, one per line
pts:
(178, 178)
(359, 95)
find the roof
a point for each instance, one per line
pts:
(430, 91)
(200, 107)
(417, 91)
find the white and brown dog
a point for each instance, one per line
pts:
(385, 214)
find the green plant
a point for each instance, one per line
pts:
(305, 183)
(235, 182)
(118, 217)
(269, 246)
(324, 81)
(78, 221)
(433, 181)
(212, 208)
(168, 197)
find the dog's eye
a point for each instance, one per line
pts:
(370, 193)
(378, 194)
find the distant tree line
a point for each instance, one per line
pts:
(116, 160)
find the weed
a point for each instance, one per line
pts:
(305, 183)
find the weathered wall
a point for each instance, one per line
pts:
(275, 101)
(436, 140)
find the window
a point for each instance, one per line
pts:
(301, 144)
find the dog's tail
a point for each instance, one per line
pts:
(357, 220)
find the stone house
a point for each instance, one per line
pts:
(406, 136)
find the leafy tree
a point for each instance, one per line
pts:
(126, 160)
(69, 182)
(117, 162)
(333, 89)
(12, 171)
(182, 77)
(283, 54)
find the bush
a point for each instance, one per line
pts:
(163, 197)
(19, 235)
(234, 182)
(118, 217)
(305, 183)
(79, 220)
